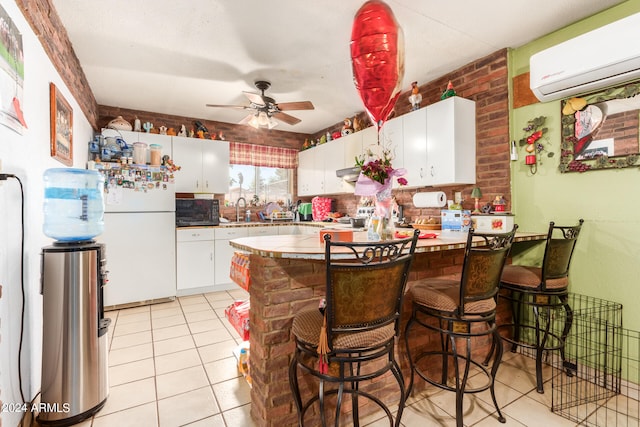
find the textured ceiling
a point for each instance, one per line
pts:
(174, 57)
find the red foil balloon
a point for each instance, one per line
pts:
(377, 58)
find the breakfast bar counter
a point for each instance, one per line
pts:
(287, 274)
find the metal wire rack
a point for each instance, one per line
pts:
(598, 382)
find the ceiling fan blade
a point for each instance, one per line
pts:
(239, 107)
(290, 120)
(254, 97)
(245, 120)
(301, 105)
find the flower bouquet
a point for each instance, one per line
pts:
(376, 179)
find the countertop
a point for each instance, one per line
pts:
(309, 246)
(269, 224)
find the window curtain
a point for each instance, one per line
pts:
(262, 155)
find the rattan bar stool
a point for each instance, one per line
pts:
(354, 340)
(545, 289)
(464, 308)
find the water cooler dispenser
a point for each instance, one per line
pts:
(74, 383)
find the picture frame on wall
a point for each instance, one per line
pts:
(61, 127)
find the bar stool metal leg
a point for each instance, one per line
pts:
(348, 346)
(461, 311)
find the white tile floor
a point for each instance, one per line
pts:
(171, 364)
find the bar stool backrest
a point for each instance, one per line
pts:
(483, 266)
(365, 290)
(561, 241)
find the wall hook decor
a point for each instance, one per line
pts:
(532, 141)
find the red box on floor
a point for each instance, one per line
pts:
(238, 315)
(240, 270)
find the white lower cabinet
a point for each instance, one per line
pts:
(195, 263)
(223, 254)
(203, 255)
(308, 229)
(287, 229)
(263, 231)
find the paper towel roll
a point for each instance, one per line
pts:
(433, 199)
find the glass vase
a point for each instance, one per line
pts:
(382, 222)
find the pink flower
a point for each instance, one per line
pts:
(376, 173)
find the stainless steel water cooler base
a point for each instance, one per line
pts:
(74, 381)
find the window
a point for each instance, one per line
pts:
(259, 185)
(261, 174)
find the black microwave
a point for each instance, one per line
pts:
(197, 212)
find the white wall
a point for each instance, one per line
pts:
(28, 156)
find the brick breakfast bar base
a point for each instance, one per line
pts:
(287, 276)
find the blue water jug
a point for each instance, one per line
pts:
(73, 204)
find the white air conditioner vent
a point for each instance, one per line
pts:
(597, 59)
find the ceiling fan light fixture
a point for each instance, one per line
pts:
(253, 122)
(272, 123)
(264, 108)
(263, 119)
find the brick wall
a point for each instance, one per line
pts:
(230, 131)
(280, 288)
(484, 81)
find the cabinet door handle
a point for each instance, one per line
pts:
(206, 184)
(211, 256)
(197, 183)
(421, 174)
(433, 172)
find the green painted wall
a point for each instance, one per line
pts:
(606, 263)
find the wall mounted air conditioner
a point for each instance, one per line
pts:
(594, 60)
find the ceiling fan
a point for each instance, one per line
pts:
(265, 109)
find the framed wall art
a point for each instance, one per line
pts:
(61, 127)
(11, 74)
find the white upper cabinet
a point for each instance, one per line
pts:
(440, 144)
(310, 173)
(333, 155)
(392, 138)
(451, 142)
(187, 153)
(153, 138)
(204, 165)
(128, 135)
(436, 145)
(215, 166)
(317, 169)
(415, 147)
(351, 147)
(131, 137)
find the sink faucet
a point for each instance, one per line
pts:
(244, 205)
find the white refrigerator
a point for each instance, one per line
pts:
(139, 233)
